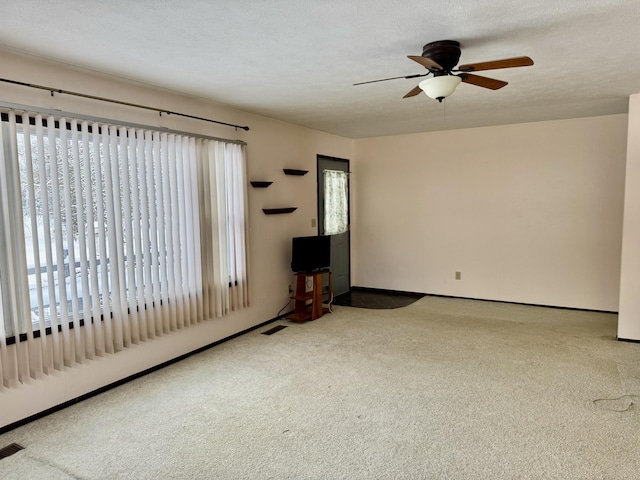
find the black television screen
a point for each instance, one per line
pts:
(309, 254)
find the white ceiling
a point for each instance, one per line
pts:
(296, 60)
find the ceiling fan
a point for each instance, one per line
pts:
(440, 58)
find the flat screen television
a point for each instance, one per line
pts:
(310, 254)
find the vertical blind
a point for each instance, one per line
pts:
(112, 236)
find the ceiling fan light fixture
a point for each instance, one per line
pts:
(440, 87)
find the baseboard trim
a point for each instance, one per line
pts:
(135, 376)
(629, 340)
(420, 295)
(388, 292)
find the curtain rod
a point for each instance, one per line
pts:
(102, 99)
(29, 109)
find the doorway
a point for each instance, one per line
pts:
(334, 217)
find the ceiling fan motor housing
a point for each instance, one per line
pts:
(446, 53)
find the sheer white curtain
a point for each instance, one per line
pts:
(336, 219)
(102, 245)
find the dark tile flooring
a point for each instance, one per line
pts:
(376, 299)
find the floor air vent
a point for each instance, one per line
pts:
(273, 330)
(10, 450)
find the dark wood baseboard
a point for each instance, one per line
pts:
(135, 376)
(629, 340)
(388, 292)
(419, 295)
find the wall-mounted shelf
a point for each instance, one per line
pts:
(260, 184)
(292, 171)
(275, 211)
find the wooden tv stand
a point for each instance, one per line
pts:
(310, 311)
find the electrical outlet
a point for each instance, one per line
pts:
(313, 222)
(458, 275)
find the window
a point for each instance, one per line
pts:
(336, 205)
(113, 235)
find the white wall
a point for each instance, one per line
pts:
(629, 315)
(527, 213)
(272, 145)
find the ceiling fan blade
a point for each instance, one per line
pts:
(486, 82)
(425, 62)
(392, 78)
(416, 91)
(495, 64)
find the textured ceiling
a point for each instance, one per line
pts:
(296, 60)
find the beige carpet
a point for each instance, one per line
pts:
(443, 388)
